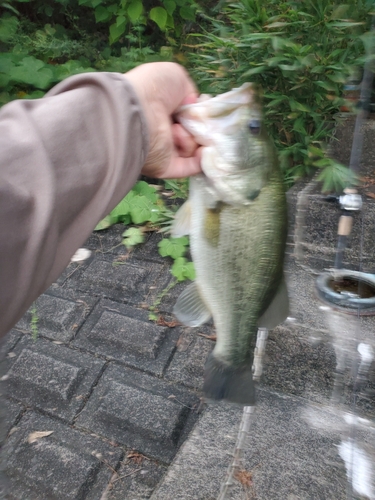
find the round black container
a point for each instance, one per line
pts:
(352, 292)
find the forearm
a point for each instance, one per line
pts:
(66, 161)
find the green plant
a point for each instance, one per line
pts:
(34, 322)
(165, 15)
(153, 310)
(144, 207)
(176, 248)
(301, 52)
(41, 44)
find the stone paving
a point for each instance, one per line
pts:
(119, 395)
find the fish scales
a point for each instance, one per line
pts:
(236, 277)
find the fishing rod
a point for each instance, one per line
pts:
(351, 200)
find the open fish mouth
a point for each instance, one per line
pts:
(220, 114)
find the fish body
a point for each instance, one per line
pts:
(237, 220)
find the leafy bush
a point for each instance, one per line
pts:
(144, 207)
(42, 44)
(301, 52)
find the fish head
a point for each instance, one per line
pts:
(231, 128)
(231, 123)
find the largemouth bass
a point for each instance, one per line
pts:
(236, 216)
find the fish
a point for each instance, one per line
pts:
(236, 217)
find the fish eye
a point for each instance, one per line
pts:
(254, 127)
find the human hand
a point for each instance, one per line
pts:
(162, 88)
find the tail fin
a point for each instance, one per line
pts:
(235, 385)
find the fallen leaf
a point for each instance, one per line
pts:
(34, 436)
(170, 324)
(370, 194)
(244, 477)
(209, 337)
(135, 457)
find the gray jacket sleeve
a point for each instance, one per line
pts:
(65, 161)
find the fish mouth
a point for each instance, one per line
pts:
(240, 96)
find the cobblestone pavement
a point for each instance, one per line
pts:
(102, 378)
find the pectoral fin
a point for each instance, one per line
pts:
(181, 224)
(190, 309)
(278, 310)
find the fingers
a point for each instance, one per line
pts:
(183, 167)
(162, 88)
(183, 141)
(166, 82)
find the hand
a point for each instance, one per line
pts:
(162, 88)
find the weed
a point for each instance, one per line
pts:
(34, 322)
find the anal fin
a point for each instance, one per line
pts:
(190, 309)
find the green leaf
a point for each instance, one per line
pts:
(132, 237)
(337, 77)
(298, 125)
(102, 14)
(120, 21)
(187, 13)
(8, 28)
(254, 71)
(170, 6)
(313, 150)
(135, 10)
(326, 85)
(145, 189)
(48, 10)
(115, 32)
(159, 16)
(33, 72)
(324, 162)
(173, 247)
(182, 269)
(141, 209)
(104, 223)
(70, 68)
(123, 208)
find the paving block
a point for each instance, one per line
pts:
(59, 317)
(66, 464)
(124, 282)
(135, 480)
(10, 411)
(53, 378)
(109, 241)
(169, 298)
(125, 334)
(187, 365)
(6, 354)
(70, 274)
(140, 411)
(298, 363)
(292, 453)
